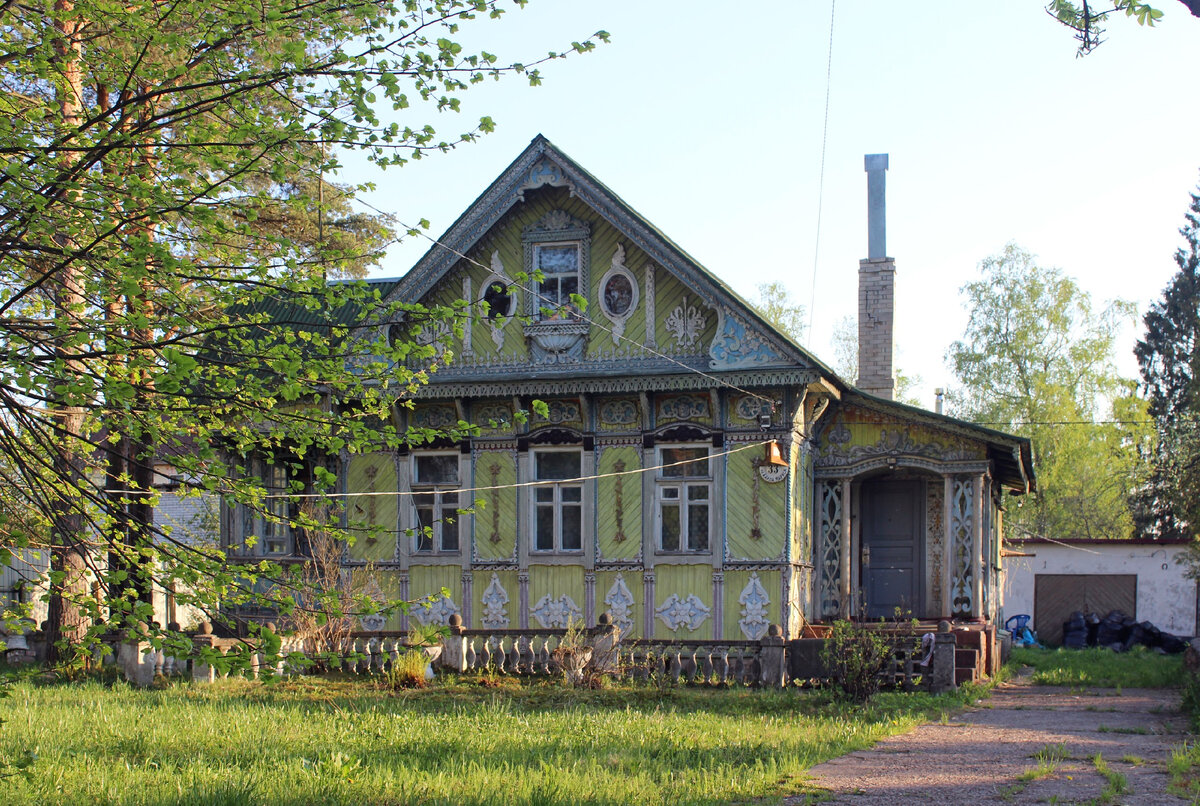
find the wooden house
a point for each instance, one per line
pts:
(643, 490)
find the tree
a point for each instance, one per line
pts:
(1168, 504)
(777, 306)
(1085, 21)
(161, 167)
(1037, 360)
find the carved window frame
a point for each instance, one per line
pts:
(681, 486)
(570, 231)
(439, 490)
(618, 319)
(269, 525)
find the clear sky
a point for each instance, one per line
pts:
(709, 122)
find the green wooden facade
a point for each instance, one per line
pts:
(666, 364)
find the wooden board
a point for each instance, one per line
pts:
(1057, 596)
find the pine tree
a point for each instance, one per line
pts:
(1168, 503)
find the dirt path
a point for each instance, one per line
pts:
(1026, 744)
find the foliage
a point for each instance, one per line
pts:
(845, 362)
(1138, 668)
(1184, 769)
(856, 656)
(1037, 360)
(777, 306)
(1085, 22)
(340, 740)
(407, 670)
(1168, 504)
(162, 293)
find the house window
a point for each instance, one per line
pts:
(266, 528)
(558, 504)
(684, 500)
(435, 502)
(558, 264)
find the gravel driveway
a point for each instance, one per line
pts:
(988, 754)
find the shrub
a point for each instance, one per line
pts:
(856, 657)
(407, 671)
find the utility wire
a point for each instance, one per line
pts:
(812, 302)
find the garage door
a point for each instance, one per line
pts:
(1057, 596)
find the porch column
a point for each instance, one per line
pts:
(977, 548)
(947, 569)
(847, 605)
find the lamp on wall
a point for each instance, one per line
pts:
(773, 455)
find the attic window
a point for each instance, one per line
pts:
(558, 266)
(500, 300)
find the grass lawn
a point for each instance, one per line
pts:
(313, 740)
(1138, 668)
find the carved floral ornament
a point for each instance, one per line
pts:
(556, 613)
(620, 605)
(622, 411)
(683, 407)
(494, 599)
(689, 612)
(738, 345)
(754, 600)
(685, 324)
(437, 611)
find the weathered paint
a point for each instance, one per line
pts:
(682, 581)
(756, 518)
(428, 581)
(372, 514)
(619, 516)
(481, 580)
(495, 521)
(735, 583)
(555, 581)
(1165, 596)
(605, 580)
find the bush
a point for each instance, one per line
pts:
(856, 657)
(407, 671)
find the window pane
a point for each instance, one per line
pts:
(698, 468)
(437, 469)
(698, 527)
(449, 530)
(572, 525)
(556, 465)
(572, 495)
(558, 259)
(670, 527)
(670, 493)
(544, 529)
(698, 492)
(544, 495)
(566, 287)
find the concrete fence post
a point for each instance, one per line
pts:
(941, 665)
(454, 646)
(606, 639)
(138, 657)
(202, 671)
(773, 658)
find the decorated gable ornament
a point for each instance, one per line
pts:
(737, 345)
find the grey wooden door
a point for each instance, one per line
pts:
(892, 577)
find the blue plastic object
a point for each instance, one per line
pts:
(1022, 621)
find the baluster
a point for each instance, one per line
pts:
(522, 655)
(545, 658)
(469, 654)
(721, 664)
(675, 664)
(705, 659)
(487, 655)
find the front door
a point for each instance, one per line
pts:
(892, 578)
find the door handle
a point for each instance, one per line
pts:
(866, 555)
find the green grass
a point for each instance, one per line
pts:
(460, 741)
(1184, 769)
(1115, 784)
(1137, 668)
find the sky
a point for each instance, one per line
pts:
(712, 124)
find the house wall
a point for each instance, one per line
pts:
(1165, 596)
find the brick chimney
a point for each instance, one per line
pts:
(876, 289)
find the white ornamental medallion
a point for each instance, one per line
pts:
(676, 612)
(754, 601)
(495, 615)
(437, 611)
(620, 605)
(556, 613)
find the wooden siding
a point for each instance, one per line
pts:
(372, 518)
(605, 580)
(869, 430)
(682, 581)
(495, 520)
(480, 581)
(628, 544)
(428, 581)
(555, 581)
(742, 491)
(801, 481)
(385, 584)
(735, 583)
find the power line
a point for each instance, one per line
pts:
(590, 321)
(812, 302)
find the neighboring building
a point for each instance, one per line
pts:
(876, 503)
(1049, 580)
